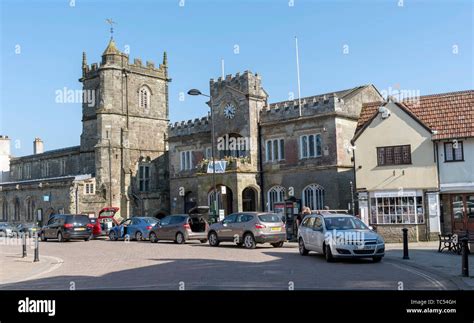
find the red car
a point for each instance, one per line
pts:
(106, 221)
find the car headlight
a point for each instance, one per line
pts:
(379, 240)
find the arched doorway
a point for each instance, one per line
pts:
(249, 199)
(224, 201)
(189, 202)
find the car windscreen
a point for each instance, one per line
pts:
(77, 219)
(270, 218)
(151, 221)
(344, 223)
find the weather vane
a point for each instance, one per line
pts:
(111, 23)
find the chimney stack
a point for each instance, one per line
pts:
(38, 146)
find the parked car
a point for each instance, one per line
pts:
(339, 236)
(248, 229)
(137, 228)
(64, 227)
(106, 220)
(180, 228)
(28, 228)
(7, 230)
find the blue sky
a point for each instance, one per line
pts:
(424, 46)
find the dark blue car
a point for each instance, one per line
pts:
(135, 228)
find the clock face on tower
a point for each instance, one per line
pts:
(229, 111)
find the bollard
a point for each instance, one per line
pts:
(24, 244)
(405, 243)
(36, 248)
(465, 259)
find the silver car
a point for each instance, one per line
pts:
(180, 228)
(339, 236)
(248, 229)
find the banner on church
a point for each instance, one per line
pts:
(220, 166)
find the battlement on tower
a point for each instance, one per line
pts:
(190, 127)
(247, 83)
(113, 58)
(310, 106)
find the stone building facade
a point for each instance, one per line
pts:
(284, 151)
(121, 160)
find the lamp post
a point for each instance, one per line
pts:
(196, 92)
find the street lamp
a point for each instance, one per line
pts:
(196, 92)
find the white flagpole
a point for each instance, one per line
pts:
(298, 74)
(222, 67)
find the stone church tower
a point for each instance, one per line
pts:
(125, 120)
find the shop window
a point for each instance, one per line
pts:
(397, 210)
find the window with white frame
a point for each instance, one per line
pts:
(144, 178)
(89, 188)
(275, 149)
(313, 197)
(275, 194)
(144, 97)
(310, 146)
(186, 160)
(396, 210)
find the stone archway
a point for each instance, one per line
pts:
(225, 201)
(249, 199)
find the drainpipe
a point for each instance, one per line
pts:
(260, 165)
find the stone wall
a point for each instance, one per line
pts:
(393, 232)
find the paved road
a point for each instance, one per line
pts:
(103, 264)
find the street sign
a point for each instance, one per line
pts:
(221, 214)
(46, 198)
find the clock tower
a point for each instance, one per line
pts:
(237, 102)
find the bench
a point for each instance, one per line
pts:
(452, 242)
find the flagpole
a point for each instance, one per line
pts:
(298, 75)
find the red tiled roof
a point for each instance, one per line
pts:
(450, 114)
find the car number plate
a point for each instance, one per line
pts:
(276, 229)
(79, 229)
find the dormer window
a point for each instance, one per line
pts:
(144, 97)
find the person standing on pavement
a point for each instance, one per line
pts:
(299, 218)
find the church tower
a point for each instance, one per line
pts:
(125, 119)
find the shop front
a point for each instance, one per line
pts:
(391, 211)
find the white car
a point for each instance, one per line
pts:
(339, 236)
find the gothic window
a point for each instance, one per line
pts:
(144, 178)
(274, 195)
(313, 197)
(30, 209)
(144, 97)
(62, 166)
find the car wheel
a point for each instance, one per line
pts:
(112, 236)
(376, 259)
(60, 237)
(213, 239)
(249, 241)
(328, 253)
(203, 240)
(139, 236)
(43, 238)
(278, 244)
(302, 248)
(179, 238)
(153, 238)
